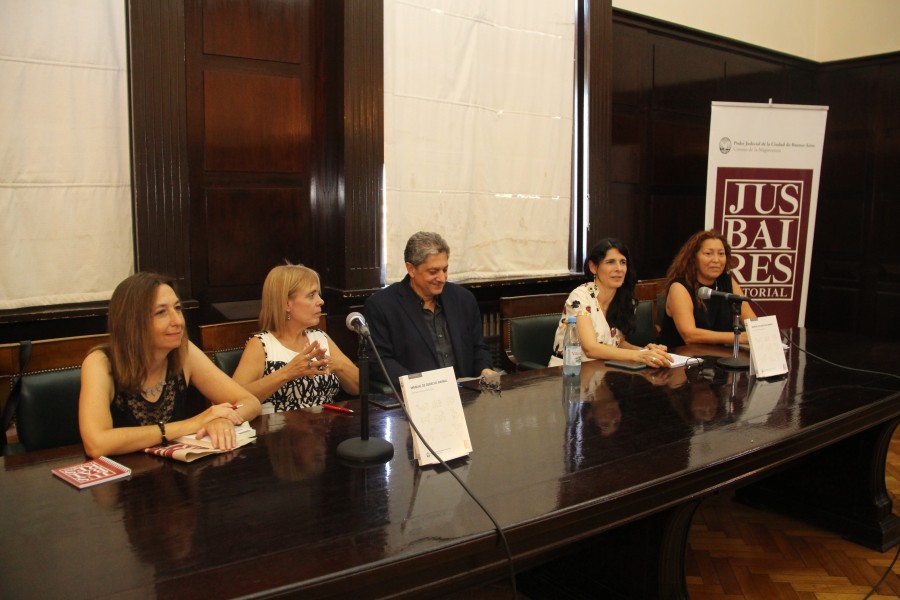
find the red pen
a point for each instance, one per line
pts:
(336, 408)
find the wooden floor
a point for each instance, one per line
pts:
(735, 552)
(739, 553)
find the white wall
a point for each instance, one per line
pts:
(860, 28)
(820, 30)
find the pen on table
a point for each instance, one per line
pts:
(336, 408)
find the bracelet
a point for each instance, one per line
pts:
(162, 430)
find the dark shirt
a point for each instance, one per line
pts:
(437, 323)
(130, 410)
(713, 314)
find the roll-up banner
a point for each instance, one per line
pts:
(761, 191)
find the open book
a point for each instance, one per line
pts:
(433, 403)
(189, 448)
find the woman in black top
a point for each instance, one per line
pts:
(134, 390)
(704, 260)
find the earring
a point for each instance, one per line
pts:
(289, 316)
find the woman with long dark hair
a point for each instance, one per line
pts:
(604, 309)
(703, 261)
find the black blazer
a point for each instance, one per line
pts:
(404, 340)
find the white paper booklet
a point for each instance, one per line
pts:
(766, 350)
(678, 360)
(433, 402)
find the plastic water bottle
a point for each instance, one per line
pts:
(571, 350)
(571, 398)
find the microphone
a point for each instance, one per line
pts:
(705, 293)
(364, 451)
(356, 322)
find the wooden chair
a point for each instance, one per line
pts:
(528, 325)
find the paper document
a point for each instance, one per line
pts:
(433, 403)
(766, 349)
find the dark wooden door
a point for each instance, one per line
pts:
(251, 106)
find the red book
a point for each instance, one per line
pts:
(92, 472)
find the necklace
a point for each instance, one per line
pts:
(156, 389)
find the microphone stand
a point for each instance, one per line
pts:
(734, 361)
(363, 450)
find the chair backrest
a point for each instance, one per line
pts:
(526, 322)
(228, 360)
(531, 340)
(645, 329)
(53, 362)
(47, 412)
(226, 336)
(652, 291)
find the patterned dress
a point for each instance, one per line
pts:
(583, 301)
(304, 391)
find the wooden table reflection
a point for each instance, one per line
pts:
(561, 465)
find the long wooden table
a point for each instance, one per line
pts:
(610, 469)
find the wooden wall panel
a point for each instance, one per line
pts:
(670, 216)
(627, 150)
(887, 202)
(844, 91)
(887, 302)
(632, 74)
(596, 67)
(686, 76)
(252, 101)
(255, 122)
(855, 280)
(753, 80)
(241, 256)
(363, 148)
(158, 131)
(801, 86)
(257, 29)
(841, 216)
(819, 311)
(678, 152)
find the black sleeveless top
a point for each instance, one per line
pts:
(129, 410)
(716, 316)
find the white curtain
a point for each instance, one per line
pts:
(478, 132)
(66, 226)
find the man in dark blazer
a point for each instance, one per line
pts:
(425, 322)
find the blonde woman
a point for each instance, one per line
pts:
(292, 363)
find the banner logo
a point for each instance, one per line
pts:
(761, 193)
(764, 215)
(724, 145)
